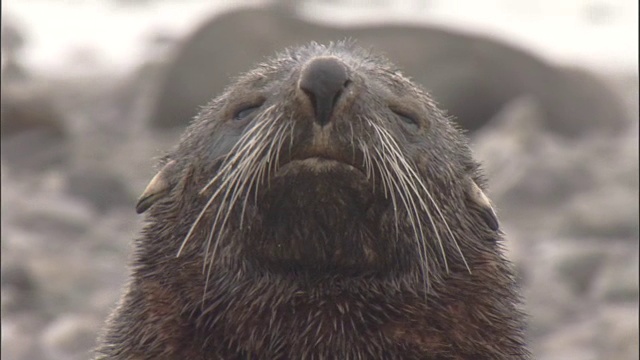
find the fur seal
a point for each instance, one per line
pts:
(322, 207)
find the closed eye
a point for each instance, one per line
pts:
(245, 112)
(406, 118)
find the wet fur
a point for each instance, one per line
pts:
(272, 239)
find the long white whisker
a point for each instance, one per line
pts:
(226, 173)
(418, 180)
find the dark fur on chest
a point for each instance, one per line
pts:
(248, 315)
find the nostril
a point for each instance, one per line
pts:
(311, 97)
(335, 98)
(322, 80)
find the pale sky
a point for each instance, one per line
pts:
(109, 37)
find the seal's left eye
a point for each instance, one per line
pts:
(411, 120)
(245, 112)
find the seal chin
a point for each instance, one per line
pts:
(318, 213)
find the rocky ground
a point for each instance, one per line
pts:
(569, 209)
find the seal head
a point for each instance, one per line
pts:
(321, 207)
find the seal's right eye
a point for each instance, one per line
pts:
(245, 112)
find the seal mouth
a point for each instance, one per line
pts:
(325, 161)
(319, 164)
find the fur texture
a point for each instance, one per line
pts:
(271, 237)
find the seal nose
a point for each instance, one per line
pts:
(323, 80)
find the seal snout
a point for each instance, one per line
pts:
(323, 81)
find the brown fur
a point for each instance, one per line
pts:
(315, 255)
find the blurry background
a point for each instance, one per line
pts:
(94, 91)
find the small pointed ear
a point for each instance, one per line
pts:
(158, 188)
(477, 196)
